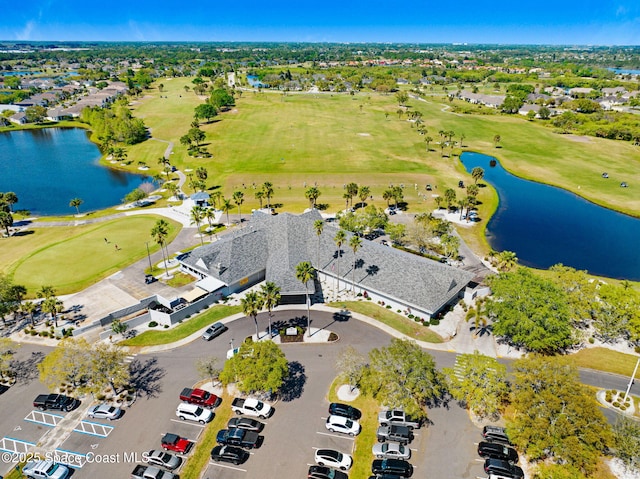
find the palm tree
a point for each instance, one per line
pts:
(10, 198)
(427, 140)
(387, 195)
(479, 316)
(339, 240)
(462, 137)
(312, 195)
(29, 307)
(352, 190)
(305, 273)
(477, 174)
(251, 306)
(6, 220)
(216, 198)
(270, 297)
(201, 173)
(496, 140)
(197, 215)
(53, 306)
(159, 232)
(355, 242)
(226, 206)
(267, 187)
(75, 203)
(259, 196)
(238, 199)
(449, 197)
(507, 260)
(363, 194)
(318, 226)
(46, 292)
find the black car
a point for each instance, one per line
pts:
(502, 468)
(323, 472)
(460, 184)
(497, 451)
(245, 423)
(344, 410)
(392, 466)
(231, 454)
(496, 434)
(214, 330)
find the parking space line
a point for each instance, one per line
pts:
(350, 438)
(179, 421)
(45, 418)
(212, 463)
(93, 429)
(78, 461)
(5, 442)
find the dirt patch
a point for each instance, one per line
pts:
(579, 139)
(364, 134)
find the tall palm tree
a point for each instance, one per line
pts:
(352, 190)
(53, 306)
(267, 187)
(363, 193)
(305, 273)
(251, 306)
(339, 240)
(46, 291)
(479, 316)
(29, 307)
(270, 297)
(507, 260)
(75, 203)
(355, 242)
(259, 196)
(226, 206)
(312, 195)
(238, 199)
(387, 195)
(428, 140)
(318, 226)
(477, 174)
(216, 198)
(197, 215)
(6, 220)
(159, 232)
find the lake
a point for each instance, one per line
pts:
(545, 225)
(47, 168)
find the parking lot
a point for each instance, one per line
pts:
(291, 435)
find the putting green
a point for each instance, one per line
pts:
(70, 259)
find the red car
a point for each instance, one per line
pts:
(173, 442)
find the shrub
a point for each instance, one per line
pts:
(388, 306)
(608, 397)
(411, 316)
(592, 340)
(398, 311)
(623, 407)
(33, 332)
(434, 321)
(153, 324)
(44, 334)
(616, 404)
(166, 326)
(637, 349)
(368, 298)
(100, 397)
(333, 337)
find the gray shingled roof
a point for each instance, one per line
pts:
(279, 243)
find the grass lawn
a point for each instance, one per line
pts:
(603, 359)
(388, 317)
(72, 258)
(364, 441)
(201, 455)
(186, 328)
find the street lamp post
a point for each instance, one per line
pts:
(631, 381)
(149, 256)
(231, 344)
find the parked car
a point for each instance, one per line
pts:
(104, 411)
(497, 451)
(502, 468)
(343, 424)
(231, 454)
(391, 450)
(496, 434)
(239, 437)
(245, 423)
(151, 472)
(401, 434)
(160, 458)
(252, 407)
(45, 470)
(200, 397)
(333, 458)
(392, 466)
(344, 410)
(214, 330)
(323, 472)
(173, 442)
(55, 401)
(193, 412)
(460, 184)
(398, 417)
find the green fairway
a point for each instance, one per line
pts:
(72, 258)
(298, 140)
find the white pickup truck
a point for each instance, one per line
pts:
(45, 470)
(251, 407)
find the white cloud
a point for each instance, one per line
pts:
(25, 33)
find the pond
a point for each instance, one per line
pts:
(47, 168)
(545, 225)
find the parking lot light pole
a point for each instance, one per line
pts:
(149, 256)
(635, 370)
(231, 344)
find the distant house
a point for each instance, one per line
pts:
(526, 108)
(58, 114)
(272, 246)
(580, 92)
(402, 81)
(201, 198)
(619, 90)
(19, 118)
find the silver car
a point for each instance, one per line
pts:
(391, 450)
(214, 330)
(104, 411)
(160, 458)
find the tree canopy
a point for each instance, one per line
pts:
(258, 367)
(530, 312)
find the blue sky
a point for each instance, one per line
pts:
(586, 22)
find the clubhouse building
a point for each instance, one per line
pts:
(272, 246)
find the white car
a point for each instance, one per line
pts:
(45, 470)
(391, 450)
(193, 412)
(343, 425)
(333, 458)
(104, 411)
